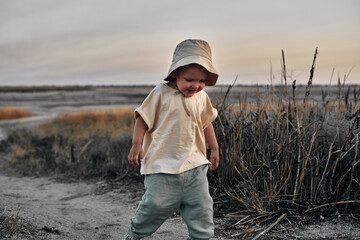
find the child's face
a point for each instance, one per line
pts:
(191, 79)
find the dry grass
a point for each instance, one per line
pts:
(88, 143)
(8, 113)
(14, 227)
(283, 154)
(82, 124)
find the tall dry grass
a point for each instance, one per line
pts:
(277, 154)
(8, 113)
(89, 143)
(282, 154)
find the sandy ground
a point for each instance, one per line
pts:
(76, 210)
(50, 209)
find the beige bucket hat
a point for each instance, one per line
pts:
(194, 51)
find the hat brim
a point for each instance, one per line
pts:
(204, 62)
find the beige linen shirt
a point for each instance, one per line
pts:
(175, 140)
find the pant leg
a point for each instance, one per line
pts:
(161, 200)
(197, 205)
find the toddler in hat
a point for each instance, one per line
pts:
(172, 125)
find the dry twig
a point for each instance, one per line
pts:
(270, 227)
(331, 204)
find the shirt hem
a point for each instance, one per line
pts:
(171, 171)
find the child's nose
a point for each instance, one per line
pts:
(196, 85)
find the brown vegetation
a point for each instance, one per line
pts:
(42, 88)
(8, 113)
(89, 143)
(278, 154)
(281, 155)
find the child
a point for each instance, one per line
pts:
(174, 121)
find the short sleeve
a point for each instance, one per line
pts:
(149, 108)
(209, 113)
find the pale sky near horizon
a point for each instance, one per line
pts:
(110, 42)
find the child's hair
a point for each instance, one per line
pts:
(193, 51)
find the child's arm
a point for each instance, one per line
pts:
(212, 142)
(136, 151)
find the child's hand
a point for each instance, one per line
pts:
(214, 159)
(135, 154)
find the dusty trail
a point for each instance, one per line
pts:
(81, 210)
(75, 210)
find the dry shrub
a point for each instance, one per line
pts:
(8, 113)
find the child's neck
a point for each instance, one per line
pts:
(172, 84)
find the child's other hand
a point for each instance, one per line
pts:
(135, 154)
(214, 159)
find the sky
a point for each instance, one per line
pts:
(116, 42)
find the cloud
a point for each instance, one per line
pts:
(135, 39)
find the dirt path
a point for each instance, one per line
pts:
(50, 209)
(76, 210)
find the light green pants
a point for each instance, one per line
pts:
(165, 194)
